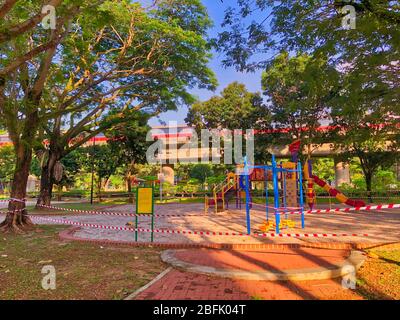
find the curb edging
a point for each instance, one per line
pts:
(146, 286)
(351, 264)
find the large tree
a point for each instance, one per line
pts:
(108, 55)
(147, 60)
(235, 109)
(128, 140)
(255, 30)
(299, 90)
(366, 123)
(366, 54)
(27, 51)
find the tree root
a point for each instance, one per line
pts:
(17, 224)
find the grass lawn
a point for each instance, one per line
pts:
(78, 206)
(87, 205)
(92, 271)
(180, 200)
(83, 271)
(379, 277)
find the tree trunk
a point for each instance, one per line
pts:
(47, 179)
(99, 182)
(368, 181)
(129, 184)
(17, 219)
(129, 176)
(59, 193)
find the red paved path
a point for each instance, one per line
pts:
(271, 260)
(180, 285)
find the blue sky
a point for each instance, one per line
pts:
(225, 76)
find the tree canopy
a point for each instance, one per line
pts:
(144, 63)
(101, 63)
(235, 108)
(299, 91)
(310, 26)
(359, 75)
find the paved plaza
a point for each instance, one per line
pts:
(382, 226)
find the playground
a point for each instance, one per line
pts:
(230, 246)
(199, 149)
(195, 227)
(183, 224)
(286, 214)
(281, 245)
(209, 255)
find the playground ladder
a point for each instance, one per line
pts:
(222, 188)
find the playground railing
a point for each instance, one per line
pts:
(222, 188)
(206, 204)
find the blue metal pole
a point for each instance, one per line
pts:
(266, 194)
(300, 175)
(283, 177)
(247, 188)
(276, 194)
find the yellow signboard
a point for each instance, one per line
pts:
(145, 201)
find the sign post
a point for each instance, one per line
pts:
(144, 205)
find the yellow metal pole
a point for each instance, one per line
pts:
(215, 201)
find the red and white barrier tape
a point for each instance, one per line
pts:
(366, 208)
(82, 224)
(284, 210)
(208, 233)
(14, 211)
(120, 214)
(107, 213)
(310, 235)
(317, 211)
(360, 197)
(13, 200)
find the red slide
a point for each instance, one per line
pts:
(337, 194)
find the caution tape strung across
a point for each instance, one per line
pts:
(336, 210)
(310, 235)
(120, 214)
(107, 213)
(82, 224)
(209, 233)
(14, 211)
(13, 200)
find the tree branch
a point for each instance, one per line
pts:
(27, 25)
(104, 126)
(6, 7)
(28, 56)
